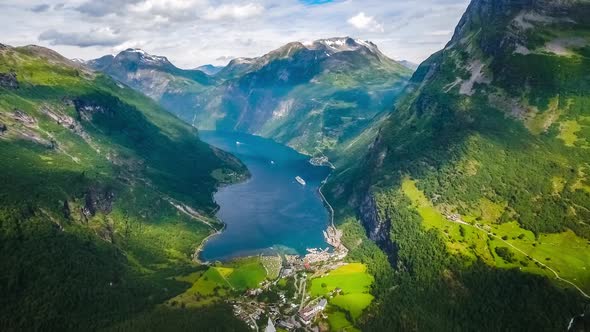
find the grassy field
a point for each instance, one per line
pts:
(352, 278)
(217, 282)
(208, 287)
(566, 253)
(355, 282)
(248, 273)
(353, 303)
(568, 132)
(339, 322)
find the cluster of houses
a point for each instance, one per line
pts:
(307, 314)
(284, 314)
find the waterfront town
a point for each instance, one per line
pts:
(285, 303)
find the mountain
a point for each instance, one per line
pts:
(410, 65)
(105, 197)
(314, 97)
(210, 69)
(156, 77)
(476, 186)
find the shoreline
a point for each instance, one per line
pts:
(196, 257)
(199, 249)
(325, 202)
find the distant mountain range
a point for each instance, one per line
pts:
(210, 69)
(314, 97)
(410, 65)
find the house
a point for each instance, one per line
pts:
(286, 324)
(307, 314)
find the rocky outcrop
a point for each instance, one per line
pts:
(107, 231)
(86, 109)
(24, 118)
(8, 80)
(378, 229)
(67, 212)
(98, 200)
(514, 16)
(60, 119)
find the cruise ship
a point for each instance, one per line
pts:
(300, 180)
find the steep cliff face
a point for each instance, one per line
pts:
(510, 64)
(378, 227)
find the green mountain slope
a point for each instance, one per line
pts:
(476, 184)
(104, 197)
(175, 89)
(314, 97)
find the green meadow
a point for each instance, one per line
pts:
(351, 278)
(215, 283)
(484, 238)
(247, 273)
(355, 283)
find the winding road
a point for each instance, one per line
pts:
(557, 276)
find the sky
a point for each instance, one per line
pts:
(197, 32)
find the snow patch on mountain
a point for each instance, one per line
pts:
(243, 61)
(146, 58)
(345, 44)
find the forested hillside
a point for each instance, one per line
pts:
(104, 198)
(476, 187)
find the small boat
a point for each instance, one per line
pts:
(239, 143)
(300, 180)
(272, 162)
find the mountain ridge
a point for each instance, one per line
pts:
(476, 169)
(312, 96)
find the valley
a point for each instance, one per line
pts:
(288, 291)
(271, 212)
(319, 186)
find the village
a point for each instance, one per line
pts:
(321, 161)
(284, 303)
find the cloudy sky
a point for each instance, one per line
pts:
(196, 32)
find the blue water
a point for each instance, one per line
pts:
(271, 212)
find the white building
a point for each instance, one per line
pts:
(270, 327)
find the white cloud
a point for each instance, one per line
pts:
(233, 11)
(225, 58)
(363, 22)
(95, 37)
(195, 32)
(129, 44)
(168, 9)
